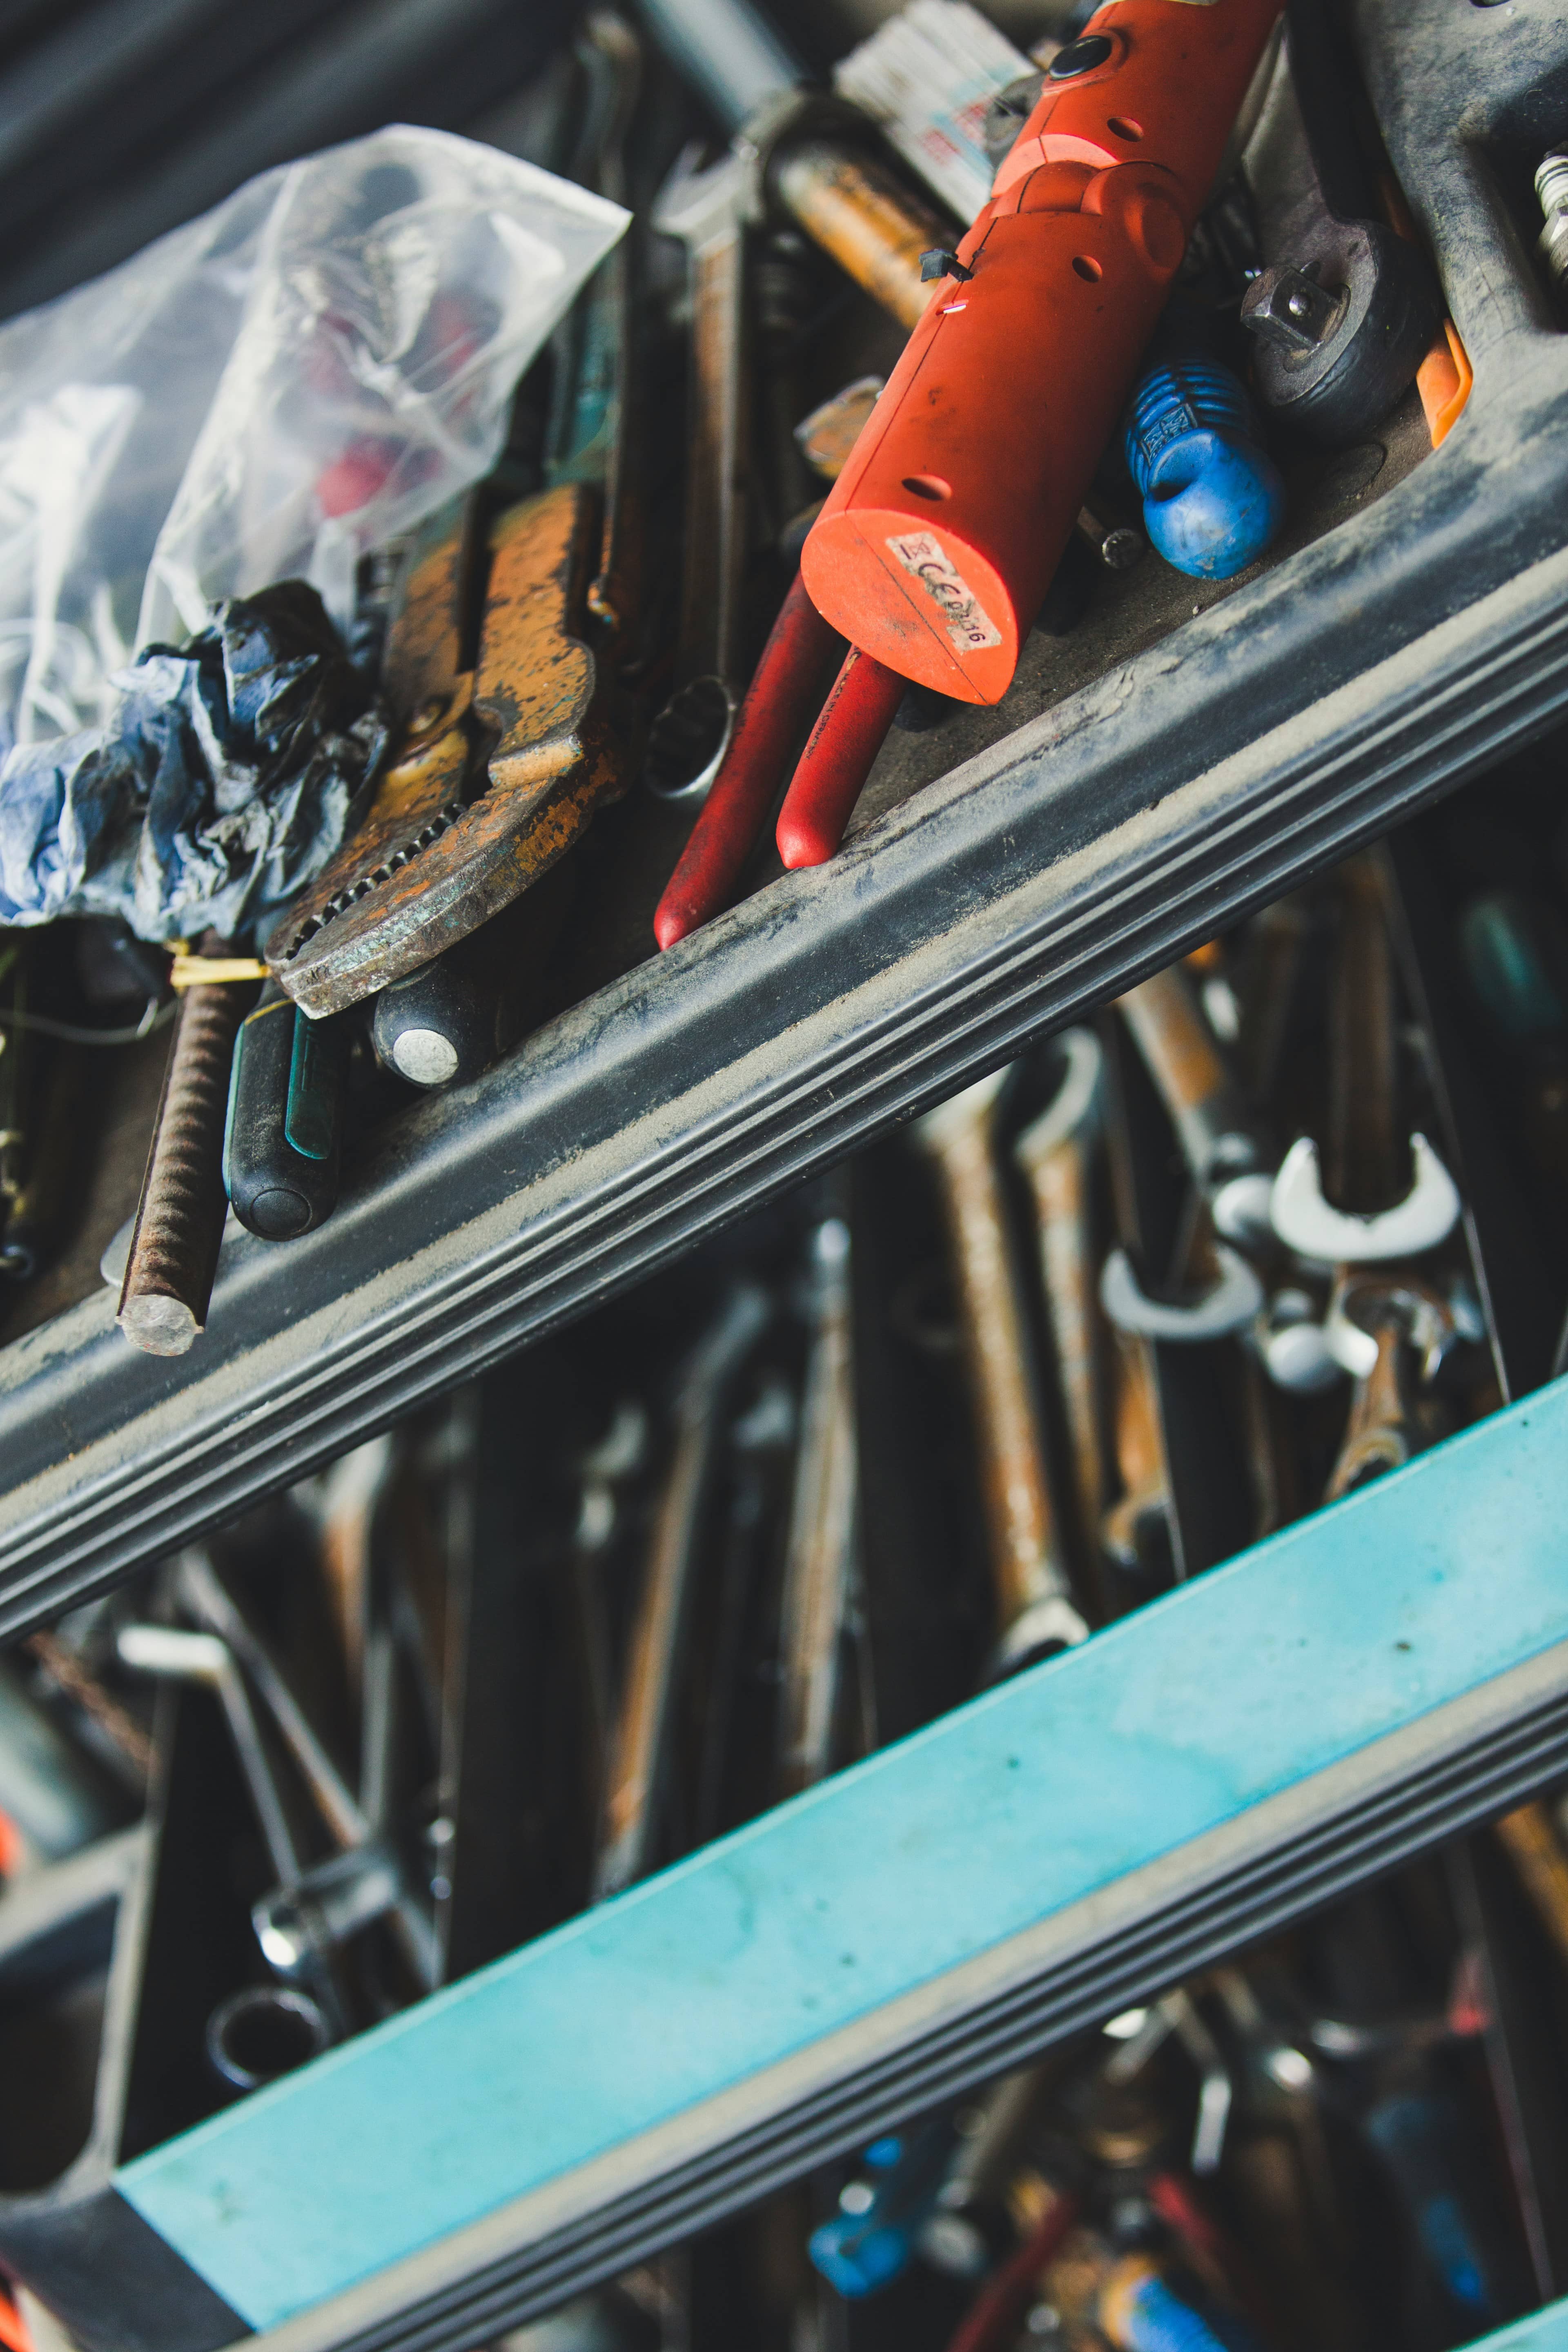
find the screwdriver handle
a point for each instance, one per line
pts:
(1139, 2311)
(837, 758)
(280, 1137)
(936, 545)
(789, 680)
(1214, 498)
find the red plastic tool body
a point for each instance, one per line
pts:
(786, 690)
(938, 541)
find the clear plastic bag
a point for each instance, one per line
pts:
(297, 377)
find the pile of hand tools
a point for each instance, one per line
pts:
(651, 632)
(904, 410)
(1088, 1328)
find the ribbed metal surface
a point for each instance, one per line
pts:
(180, 1219)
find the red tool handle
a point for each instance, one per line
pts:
(789, 681)
(838, 760)
(992, 2319)
(935, 546)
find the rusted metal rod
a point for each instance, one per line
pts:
(180, 1216)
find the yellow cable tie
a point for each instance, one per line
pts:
(212, 971)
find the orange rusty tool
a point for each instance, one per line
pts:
(938, 541)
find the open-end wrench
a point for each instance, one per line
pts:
(640, 1747)
(1380, 1318)
(1056, 1152)
(591, 436)
(1391, 1199)
(1181, 1302)
(709, 210)
(602, 1470)
(1228, 1156)
(1373, 1197)
(1035, 1609)
(819, 1563)
(1145, 1499)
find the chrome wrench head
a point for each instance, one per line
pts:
(1232, 1304)
(1306, 1222)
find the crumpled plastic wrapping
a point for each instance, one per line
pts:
(205, 802)
(301, 375)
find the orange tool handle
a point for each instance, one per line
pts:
(938, 541)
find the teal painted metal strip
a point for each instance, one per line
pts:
(1544, 2331)
(1341, 1630)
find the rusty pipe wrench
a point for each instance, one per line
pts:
(1056, 1153)
(497, 768)
(1036, 1607)
(502, 667)
(640, 1747)
(819, 1564)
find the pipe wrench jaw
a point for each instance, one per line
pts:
(498, 770)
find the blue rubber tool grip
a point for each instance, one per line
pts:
(1213, 498)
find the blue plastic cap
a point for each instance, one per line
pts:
(855, 2259)
(1213, 503)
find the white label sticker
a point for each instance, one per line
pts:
(968, 625)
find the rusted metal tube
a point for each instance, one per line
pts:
(858, 213)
